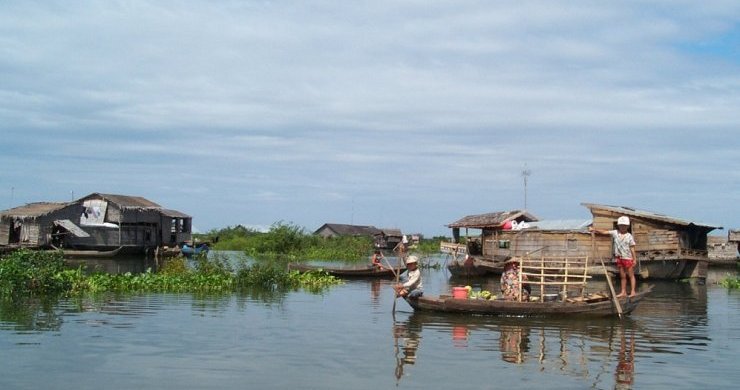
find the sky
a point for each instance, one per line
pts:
(396, 114)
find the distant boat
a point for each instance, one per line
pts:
(475, 267)
(363, 272)
(189, 251)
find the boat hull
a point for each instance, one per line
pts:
(448, 304)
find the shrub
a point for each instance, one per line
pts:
(25, 272)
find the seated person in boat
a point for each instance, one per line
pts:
(469, 262)
(378, 259)
(510, 281)
(412, 287)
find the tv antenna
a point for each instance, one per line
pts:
(525, 174)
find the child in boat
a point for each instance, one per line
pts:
(624, 253)
(378, 259)
(412, 287)
(510, 281)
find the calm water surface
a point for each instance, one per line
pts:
(683, 336)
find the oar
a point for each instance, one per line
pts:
(611, 288)
(608, 278)
(397, 274)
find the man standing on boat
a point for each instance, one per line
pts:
(412, 287)
(624, 253)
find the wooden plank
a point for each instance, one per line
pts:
(554, 283)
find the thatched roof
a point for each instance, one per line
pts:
(32, 210)
(492, 220)
(124, 201)
(349, 230)
(391, 232)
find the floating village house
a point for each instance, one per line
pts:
(722, 250)
(97, 222)
(667, 247)
(383, 238)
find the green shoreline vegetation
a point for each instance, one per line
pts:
(290, 242)
(731, 282)
(38, 273)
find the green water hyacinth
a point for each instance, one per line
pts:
(731, 283)
(28, 273)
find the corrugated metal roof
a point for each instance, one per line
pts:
(71, 227)
(491, 220)
(34, 209)
(631, 212)
(561, 224)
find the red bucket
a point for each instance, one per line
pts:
(459, 293)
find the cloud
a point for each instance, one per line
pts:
(409, 112)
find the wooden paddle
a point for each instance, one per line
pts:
(611, 288)
(397, 274)
(608, 278)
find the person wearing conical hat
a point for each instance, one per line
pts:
(510, 287)
(624, 253)
(412, 287)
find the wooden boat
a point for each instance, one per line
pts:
(74, 253)
(356, 272)
(188, 250)
(475, 267)
(598, 304)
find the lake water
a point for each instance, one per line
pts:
(684, 335)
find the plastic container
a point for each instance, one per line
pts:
(459, 293)
(550, 297)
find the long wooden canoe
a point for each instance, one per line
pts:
(592, 305)
(71, 253)
(477, 268)
(356, 272)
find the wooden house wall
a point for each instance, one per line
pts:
(131, 215)
(36, 231)
(326, 232)
(538, 242)
(175, 230)
(658, 241)
(108, 237)
(723, 251)
(5, 224)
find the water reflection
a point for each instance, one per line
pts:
(625, 373)
(29, 314)
(375, 286)
(120, 264)
(592, 350)
(514, 343)
(406, 339)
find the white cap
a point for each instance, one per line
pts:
(623, 221)
(412, 259)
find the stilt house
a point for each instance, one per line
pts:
(95, 222)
